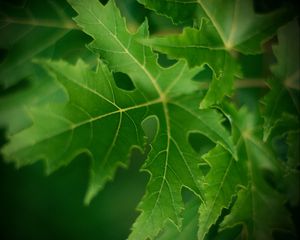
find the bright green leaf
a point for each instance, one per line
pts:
(105, 122)
(100, 110)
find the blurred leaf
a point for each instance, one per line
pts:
(236, 23)
(29, 30)
(285, 85)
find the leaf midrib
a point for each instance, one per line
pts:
(91, 120)
(148, 74)
(162, 97)
(216, 197)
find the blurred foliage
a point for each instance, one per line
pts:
(34, 206)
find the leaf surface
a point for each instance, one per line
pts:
(199, 47)
(222, 33)
(259, 207)
(236, 22)
(104, 121)
(221, 184)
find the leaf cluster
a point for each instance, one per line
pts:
(210, 122)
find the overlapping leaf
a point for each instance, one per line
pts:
(198, 47)
(221, 184)
(282, 110)
(235, 21)
(259, 207)
(234, 27)
(98, 118)
(189, 225)
(285, 85)
(104, 121)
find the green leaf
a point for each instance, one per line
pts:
(33, 92)
(283, 97)
(220, 185)
(29, 29)
(104, 121)
(199, 47)
(189, 225)
(179, 11)
(259, 207)
(100, 111)
(236, 22)
(216, 42)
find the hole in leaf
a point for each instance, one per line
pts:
(204, 75)
(200, 143)
(187, 195)
(226, 122)
(150, 126)
(103, 2)
(3, 54)
(204, 167)
(228, 233)
(133, 11)
(164, 61)
(123, 81)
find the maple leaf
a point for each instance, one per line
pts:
(203, 46)
(240, 186)
(236, 22)
(216, 42)
(259, 206)
(220, 185)
(224, 180)
(105, 122)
